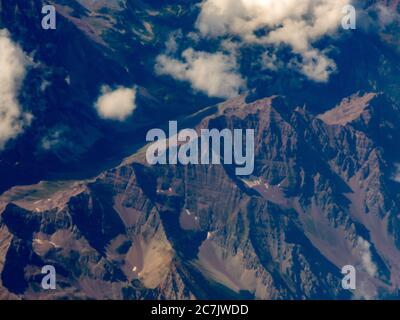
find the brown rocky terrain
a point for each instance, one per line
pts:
(321, 197)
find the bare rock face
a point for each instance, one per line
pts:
(321, 197)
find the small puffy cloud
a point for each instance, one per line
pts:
(269, 60)
(13, 64)
(316, 66)
(396, 175)
(366, 257)
(172, 42)
(212, 73)
(297, 24)
(116, 104)
(52, 140)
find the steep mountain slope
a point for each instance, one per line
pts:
(320, 198)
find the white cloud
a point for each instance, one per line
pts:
(52, 140)
(116, 104)
(366, 257)
(172, 42)
(13, 64)
(297, 24)
(269, 60)
(396, 174)
(316, 66)
(212, 73)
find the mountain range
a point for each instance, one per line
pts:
(78, 194)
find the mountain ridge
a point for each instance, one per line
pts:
(176, 216)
